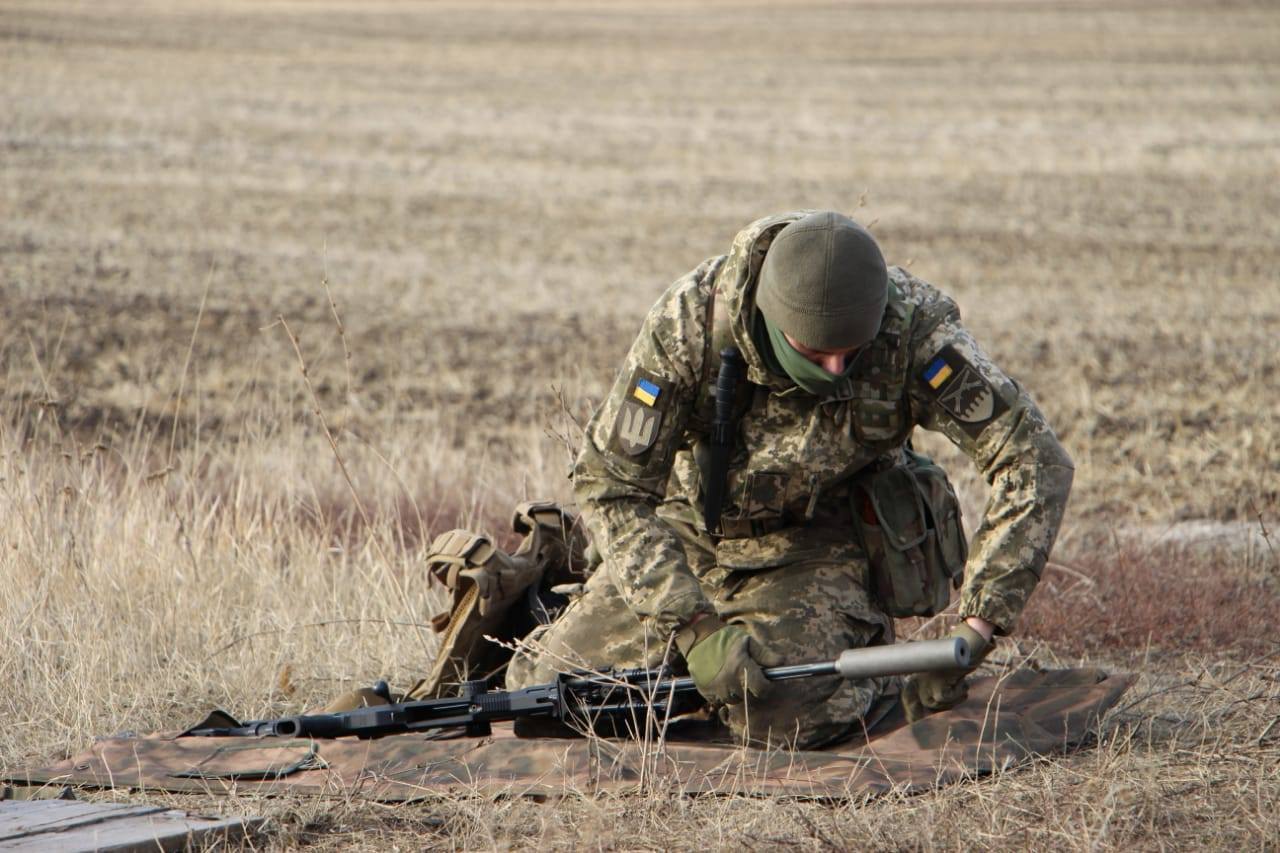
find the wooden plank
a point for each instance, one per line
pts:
(19, 819)
(159, 832)
(73, 826)
(16, 815)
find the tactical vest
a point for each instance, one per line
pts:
(877, 389)
(872, 405)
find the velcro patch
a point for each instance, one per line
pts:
(640, 415)
(962, 391)
(646, 392)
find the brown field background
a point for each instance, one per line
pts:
(461, 212)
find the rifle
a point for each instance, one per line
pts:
(578, 699)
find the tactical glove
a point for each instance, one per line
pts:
(928, 692)
(724, 661)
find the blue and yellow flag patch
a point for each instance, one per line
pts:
(937, 373)
(646, 392)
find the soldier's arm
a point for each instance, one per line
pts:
(955, 389)
(620, 475)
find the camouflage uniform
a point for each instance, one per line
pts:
(789, 568)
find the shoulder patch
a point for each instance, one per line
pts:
(960, 389)
(640, 415)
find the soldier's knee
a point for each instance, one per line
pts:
(521, 672)
(535, 662)
(596, 632)
(804, 715)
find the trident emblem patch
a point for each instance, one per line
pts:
(637, 428)
(640, 413)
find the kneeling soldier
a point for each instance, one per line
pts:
(830, 524)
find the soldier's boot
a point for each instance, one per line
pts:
(501, 595)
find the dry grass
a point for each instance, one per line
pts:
(1171, 597)
(494, 194)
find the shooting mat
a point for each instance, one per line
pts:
(1006, 721)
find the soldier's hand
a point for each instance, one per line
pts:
(725, 664)
(926, 693)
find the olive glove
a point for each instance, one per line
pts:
(723, 660)
(928, 692)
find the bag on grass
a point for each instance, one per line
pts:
(493, 593)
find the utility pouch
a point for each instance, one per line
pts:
(908, 519)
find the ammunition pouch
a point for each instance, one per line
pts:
(501, 595)
(908, 520)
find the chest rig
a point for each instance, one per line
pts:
(870, 410)
(874, 396)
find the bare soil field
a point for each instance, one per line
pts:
(460, 212)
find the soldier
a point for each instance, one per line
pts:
(831, 525)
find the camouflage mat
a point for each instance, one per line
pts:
(1006, 721)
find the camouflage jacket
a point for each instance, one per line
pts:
(637, 467)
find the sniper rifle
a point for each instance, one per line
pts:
(578, 700)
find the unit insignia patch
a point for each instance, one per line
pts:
(962, 390)
(640, 415)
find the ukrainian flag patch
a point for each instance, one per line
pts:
(937, 372)
(646, 392)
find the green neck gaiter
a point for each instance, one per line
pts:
(783, 359)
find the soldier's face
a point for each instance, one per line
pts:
(832, 361)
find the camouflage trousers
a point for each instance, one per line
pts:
(808, 605)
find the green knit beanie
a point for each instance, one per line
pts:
(824, 282)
